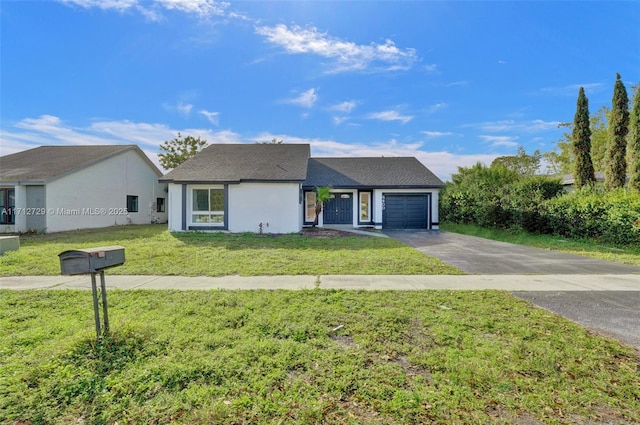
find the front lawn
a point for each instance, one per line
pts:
(307, 357)
(152, 250)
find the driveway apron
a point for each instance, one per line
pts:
(483, 256)
(610, 313)
(615, 314)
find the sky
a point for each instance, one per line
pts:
(449, 82)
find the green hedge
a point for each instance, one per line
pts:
(538, 205)
(612, 217)
(502, 204)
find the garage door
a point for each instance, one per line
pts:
(406, 211)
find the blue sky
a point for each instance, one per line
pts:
(451, 83)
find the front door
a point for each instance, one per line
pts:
(339, 209)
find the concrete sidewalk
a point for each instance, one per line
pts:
(563, 282)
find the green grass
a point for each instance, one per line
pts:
(152, 250)
(232, 357)
(626, 254)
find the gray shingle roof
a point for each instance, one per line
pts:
(380, 172)
(244, 162)
(48, 162)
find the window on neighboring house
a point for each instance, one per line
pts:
(310, 206)
(7, 206)
(132, 203)
(160, 205)
(365, 206)
(207, 206)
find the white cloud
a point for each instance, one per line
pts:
(571, 89)
(119, 5)
(184, 108)
(501, 141)
(346, 55)
(202, 8)
(432, 68)
(51, 130)
(533, 126)
(436, 107)
(339, 120)
(460, 83)
(390, 116)
(151, 9)
(442, 163)
(345, 107)
(306, 99)
(434, 134)
(211, 116)
(48, 130)
(181, 108)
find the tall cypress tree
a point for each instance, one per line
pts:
(616, 171)
(634, 143)
(581, 139)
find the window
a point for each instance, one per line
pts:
(207, 206)
(7, 206)
(309, 206)
(365, 206)
(132, 203)
(160, 205)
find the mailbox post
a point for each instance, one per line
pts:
(93, 261)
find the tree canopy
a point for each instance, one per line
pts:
(581, 137)
(616, 166)
(634, 143)
(273, 141)
(521, 163)
(178, 150)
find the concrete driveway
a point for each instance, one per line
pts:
(483, 256)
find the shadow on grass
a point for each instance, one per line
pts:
(100, 236)
(116, 351)
(295, 241)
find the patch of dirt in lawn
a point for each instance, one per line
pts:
(344, 341)
(500, 414)
(412, 369)
(605, 415)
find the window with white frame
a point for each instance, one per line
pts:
(365, 206)
(309, 206)
(207, 206)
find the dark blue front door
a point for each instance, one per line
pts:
(339, 209)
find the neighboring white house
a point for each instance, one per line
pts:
(271, 188)
(58, 188)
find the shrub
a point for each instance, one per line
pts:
(612, 217)
(491, 197)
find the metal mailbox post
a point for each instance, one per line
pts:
(93, 260)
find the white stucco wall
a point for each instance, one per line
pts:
(96, 196)
(275, 205)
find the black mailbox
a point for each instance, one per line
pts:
(90, 260)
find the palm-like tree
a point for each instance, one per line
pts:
(323, 194)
